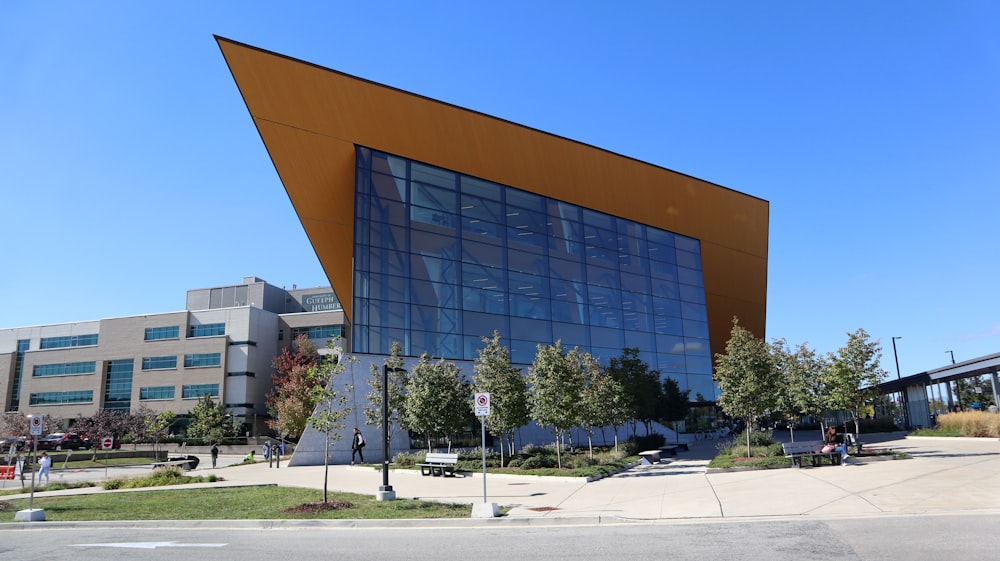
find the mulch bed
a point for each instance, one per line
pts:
(310, 508)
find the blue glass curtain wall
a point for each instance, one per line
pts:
(443, 259)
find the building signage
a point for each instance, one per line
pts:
(322, 302)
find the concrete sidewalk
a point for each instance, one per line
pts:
(944, 475)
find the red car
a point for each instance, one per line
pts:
(63, 441)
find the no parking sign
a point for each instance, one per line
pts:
(482, 404)
(36, 425)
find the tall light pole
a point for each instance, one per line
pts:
(385, 492)
(952, 353)
(898, 377)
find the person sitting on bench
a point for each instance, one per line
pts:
(835, 443)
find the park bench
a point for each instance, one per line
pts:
(438, 464)
(811, 449)
(668, 450)
(650, 457)
(851, 440)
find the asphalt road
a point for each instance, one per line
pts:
(914, 538)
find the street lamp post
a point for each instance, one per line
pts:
(906, 404)
(896, 356)
(952, 353)
(385, 492)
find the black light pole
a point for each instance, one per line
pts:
(906, 405)
(896, 356)
(952, 353)
(385, 492)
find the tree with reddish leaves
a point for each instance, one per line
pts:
(293, 400)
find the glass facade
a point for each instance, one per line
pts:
(443, 259)
(61, 398)
(157, 333)
(68, 341)
(15, 391)
(208, 330)
(159, 362)
(118, 385)
(202, 359)
(65, 369)
(156, 392)
(198, 390)
(319, 331)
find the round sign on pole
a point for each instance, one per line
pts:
(106, 443)
(36, 425)
(482, 404)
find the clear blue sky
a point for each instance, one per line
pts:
(131, 170)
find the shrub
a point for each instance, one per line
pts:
(971, 423)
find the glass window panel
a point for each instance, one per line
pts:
(639, 340)
(571, 334)
(703, 385)
(529, 306)
(479, 300)
(524, 200)
(528, 285)
(388, 163)
(697, 329)
(522, 352)
(387, 261)
(690, 293)
(570, 311)
(605, 317)
(431, 268)
(566, 249)
(527, 262)
(482, 230)
(665, 289)
(431, 244)
(699, 365)
(527, 240)
(634, 264)
(386, 314)
(430, 175)
(385, 287)
(601, 276)
(429, 293)
(380, 339)
(672, 365)
(482, 254)
(663, 270)
(605, 297)
(691, 310)
(390, 209)
(486, 278)
(698, 347)
(669, 325)
(673, 344)
(684, 243)
(536, 329)
(666, 307)
(635, 283)
(482, 325)
(689, 260)
(598, 219)
(421, 217)
(565, 269)
(432, 318)
(690, 276)
(444, 200)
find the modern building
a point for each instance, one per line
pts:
(221, 344)
(437, 225)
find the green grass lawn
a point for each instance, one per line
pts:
(230, 503)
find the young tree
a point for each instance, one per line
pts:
(103, 423)
(557, 384)
(398, 380)
(801, 375)
(332, 402)
(747, 378)
(603, 401)
(853, 375)
(437, 400)
(158, 427)
(508, 391)
(674, 404)
(291, 402)
(208, 420)
(642, 386)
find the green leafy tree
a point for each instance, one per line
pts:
(853, 375)
(974, 390)
(802, 390)
(437, 400)
(508, 389)
(642, 386)
(747, 377)
(208, 420)
(103, 423)
(158, 426)
(292, 400)
(398, 380)
(674, 404)
(332, 402)
(604, 400)
(557, 384)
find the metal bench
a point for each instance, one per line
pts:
(439, 464)
(811, 449)
(650, 457)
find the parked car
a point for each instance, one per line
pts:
(18, 442)
(63, 441)
(97, 442)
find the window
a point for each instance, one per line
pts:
(319, 331)
(159, 362)
(60, 398)
(203, 359)
(118, 385)
(197, 390)
(69, 341)
(156, 333)
(65, 369)
(156, 392)
(208, 330)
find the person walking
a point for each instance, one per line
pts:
(357, 445)
(215, 454)
(44, 465)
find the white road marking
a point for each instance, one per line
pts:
(149, 545)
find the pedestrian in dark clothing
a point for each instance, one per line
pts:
(215, 454)
(357, 444)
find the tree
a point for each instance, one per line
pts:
(557, 384)
(437, 401)
(208, 420)
(974, 390)
(642, 386)
(332, 403)
(801, 375)
(747, 377)
(398, 380)
(158, 426)
(604, 399)
(853, 375)
(291, 402)
(508, 391)
(103, 423)
(674, 404)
